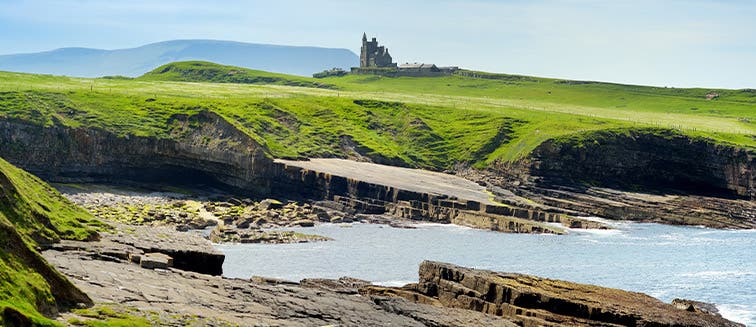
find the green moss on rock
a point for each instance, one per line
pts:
(32, 213)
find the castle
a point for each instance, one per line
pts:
(372, 55)
(376, 60)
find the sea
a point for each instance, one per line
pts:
(667, 262)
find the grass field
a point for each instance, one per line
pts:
(424, 122)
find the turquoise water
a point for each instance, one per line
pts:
(663, 261)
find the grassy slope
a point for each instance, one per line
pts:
(425, 122)
(32, 213)
(203, 71)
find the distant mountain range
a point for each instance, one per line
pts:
(84, 62)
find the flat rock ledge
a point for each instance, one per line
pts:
(446, 295)
(258, 301)
(153, 247)
(533, 301)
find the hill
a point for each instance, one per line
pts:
(32, 213)
(133, 62)
(203, 71)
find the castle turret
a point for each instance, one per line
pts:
(371, 55)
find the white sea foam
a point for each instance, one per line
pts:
(718, 274)
(394, 283)
(743, 314)
(599, 232)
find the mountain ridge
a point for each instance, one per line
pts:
(132, 62)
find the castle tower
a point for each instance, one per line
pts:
(364, 51)
(371, 55)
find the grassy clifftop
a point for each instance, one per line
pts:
(202, 71)
(33, 213)
(432, 123)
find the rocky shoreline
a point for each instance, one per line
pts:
(446, 295)
(233, 219)
(165, 270)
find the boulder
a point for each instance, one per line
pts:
(156, 261)
(321, 214)
(243, 222)
(696, 306)
(303, 223)
(259, 222)
(228, 219)
(269, 204)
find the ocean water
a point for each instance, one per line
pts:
(667, 262)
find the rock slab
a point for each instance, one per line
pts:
(156, 261)
(535, 301)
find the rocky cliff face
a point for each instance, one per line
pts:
(651, 158)
(534, 301)
(347, 194)
(205, 148)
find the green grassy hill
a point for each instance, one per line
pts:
(421, 122)
(33, 213)
(202, 71)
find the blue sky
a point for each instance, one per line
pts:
(666, 43)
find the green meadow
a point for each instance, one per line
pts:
(433, 122)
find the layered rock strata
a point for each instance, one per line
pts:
(535, 301)
(185, 251)
(206, 149)
(347, 193)
(650, 158)
(203, 148)
(216, 301)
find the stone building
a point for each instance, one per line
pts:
(376, 60)
(372, 55)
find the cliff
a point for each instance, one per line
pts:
(710, 181)
(203, 149)
(656, 159)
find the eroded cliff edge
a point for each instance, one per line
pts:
(655, 159)
(645, 174)
(203, 148)
(648, 175)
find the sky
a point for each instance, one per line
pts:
(676, 43)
